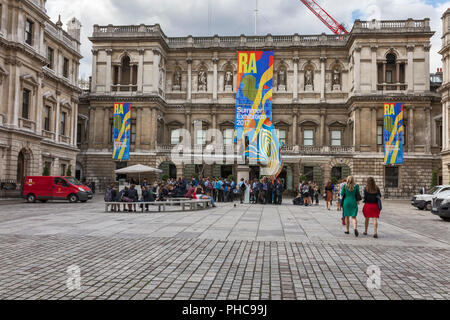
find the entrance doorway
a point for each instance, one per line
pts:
(226, 171)
(255, 172)
(23, 163)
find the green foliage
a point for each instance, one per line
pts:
(165, 177)
(46, 170)
(231, 177)
(334, 180)
(302, 178)
(69, 171)
(195, 176)
(434, 179)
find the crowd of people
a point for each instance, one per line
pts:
(262, 191)
(345, 193)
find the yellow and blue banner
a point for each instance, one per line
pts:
(121, 130)
(253, 118)
(393, 133)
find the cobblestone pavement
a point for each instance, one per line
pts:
(242, 252)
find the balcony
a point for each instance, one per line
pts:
(392, 86)
(64, 139)
(48, 134)
(27, 124)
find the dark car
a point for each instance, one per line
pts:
(441, 205)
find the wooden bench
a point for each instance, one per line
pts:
(192, 204)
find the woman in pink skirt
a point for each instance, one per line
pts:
(371, 207)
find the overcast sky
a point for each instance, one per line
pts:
(235, 17)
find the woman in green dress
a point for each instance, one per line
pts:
(349, 203)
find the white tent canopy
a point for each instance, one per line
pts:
(138, 168)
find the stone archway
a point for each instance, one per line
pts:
(23, 164)
(340, 168)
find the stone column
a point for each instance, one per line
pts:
(215, 61)
(322, 78)
(57, 115)
(139, 124)
(94, 71)
(426, 50)
(156, 60)
(294, 129)
(410, 68)
(427, 111)
(374, 68)
(397, 71)
(140, 72)
(130, 88)
(108, 70)
(322, 129)
(39, 104)
(75, 123)
(373, 129)
(189, 79)
(17, 95)
(357, 57)
(384, 72)
(91, 127)
(106, 126)
(410, 129)
(154, 129)
(295, 88)
(357, 128)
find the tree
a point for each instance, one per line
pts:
(69, 171)
(434, 179)
(165, 177)
(302, 178)
(46, 170)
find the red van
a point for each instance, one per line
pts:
(55, 188)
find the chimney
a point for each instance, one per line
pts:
(74, 28)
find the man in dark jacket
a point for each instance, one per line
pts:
(269, 192)
(278, 192)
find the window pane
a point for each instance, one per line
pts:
(391, 177)
(175, 136)
(201, 137)
(25, 103)
(308, 134)
(133, 133)
(63, 123)
(228, 136)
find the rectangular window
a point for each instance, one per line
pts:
(201, 137)
(228, 135)
(47, 113)
(440, 136)
(63, 170)
(175, 136)
(336, 138)
(79, 133)
(29, 32)
(63, 124)
(309, 173)
(308, 137)
(281, 136)
(133, 132)
(380, 135)
(391, 177)
(26, 103)
(388, 76)
(66, 68)
(50, 55)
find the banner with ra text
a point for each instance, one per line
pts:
(393, 133)
(253, 117)
(121, 128)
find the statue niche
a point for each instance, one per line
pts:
(309, 79)
(336, 82)
(202, 80)
(176, 80)
(281, 79)
(228, 80)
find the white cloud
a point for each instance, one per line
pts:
(234, 17)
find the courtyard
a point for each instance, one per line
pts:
(243, 252)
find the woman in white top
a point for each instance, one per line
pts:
(247, 192)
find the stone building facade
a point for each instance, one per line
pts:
(445, 91)
(39, 64)
(328, 100)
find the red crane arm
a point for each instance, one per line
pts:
(328, 20)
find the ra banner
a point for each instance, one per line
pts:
(393, 133)
(253, 119)
(122, 124)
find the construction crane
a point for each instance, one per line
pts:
(328, 20)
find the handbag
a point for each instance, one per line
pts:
(380, 206)
(358, 195)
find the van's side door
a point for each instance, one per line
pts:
(60, 189)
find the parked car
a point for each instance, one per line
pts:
(55, 188)
(441, 205)
(423, 201)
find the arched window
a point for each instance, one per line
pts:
(391, 72)
(125, 75)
